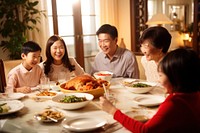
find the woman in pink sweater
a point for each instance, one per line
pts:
(179, 73)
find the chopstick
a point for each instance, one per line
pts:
(106, 93)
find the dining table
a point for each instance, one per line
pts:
(23, 121)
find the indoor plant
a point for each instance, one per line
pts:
(16, 17)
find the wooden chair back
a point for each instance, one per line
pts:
(2, 77)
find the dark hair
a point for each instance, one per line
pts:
(49, 61)
(109, 29)
(158, 36)
(182, 67)
(30, 46)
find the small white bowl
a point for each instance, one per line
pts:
(139, 90)
(104, 75)
(72, 106)
(141, 115)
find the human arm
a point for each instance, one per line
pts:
(24, 89)
(126, 121)
(12, 85)
(78, 69)
(107, 106)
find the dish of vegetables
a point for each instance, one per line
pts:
(140, 87)
(72, 99)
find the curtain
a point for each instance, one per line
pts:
(43, 34)
(109, 12)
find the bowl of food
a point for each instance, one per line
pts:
(104, 75)
(49, 115)
(141, 115)
(85, 84)
(72, 101)
(140, 87)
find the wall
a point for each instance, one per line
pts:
(124, 22)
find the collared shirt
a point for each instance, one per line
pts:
(150, 68)
(123, 64)
(19, 76)
(56, 69)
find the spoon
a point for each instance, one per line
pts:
(39, 118)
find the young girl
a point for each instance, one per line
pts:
(58, 62)
(179, 113)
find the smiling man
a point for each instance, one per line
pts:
(120, 61)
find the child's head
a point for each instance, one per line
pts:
(179, 71)
(56, 50)
(31, 53)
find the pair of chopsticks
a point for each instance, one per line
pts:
(106, 92)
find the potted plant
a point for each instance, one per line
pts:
(16, 17)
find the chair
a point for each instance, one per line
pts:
(2, 77)
(141, 69)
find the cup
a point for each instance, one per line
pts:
(45, 83)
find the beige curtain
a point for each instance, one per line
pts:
(43, 34)
(109, 12)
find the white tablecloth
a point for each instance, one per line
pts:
(24, 122)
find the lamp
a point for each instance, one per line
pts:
(159, 19)
(186, 39)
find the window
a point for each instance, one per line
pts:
(76, 21)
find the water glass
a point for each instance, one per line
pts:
(45, 83)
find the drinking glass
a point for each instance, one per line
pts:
(45, 83)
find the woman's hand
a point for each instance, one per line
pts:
(107, 106)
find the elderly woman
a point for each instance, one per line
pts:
(154, 42)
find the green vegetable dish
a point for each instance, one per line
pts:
(141, 85)
(4, 108)
(72, 99)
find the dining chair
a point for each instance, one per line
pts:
(2, 77)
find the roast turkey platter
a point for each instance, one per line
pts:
(85, 83)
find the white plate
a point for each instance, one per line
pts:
(15, 105)
(149, 100)
(128, 81)
(83, 123)
(141, 115)
(46, 97)
(11, 96)
(49, 120)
